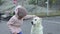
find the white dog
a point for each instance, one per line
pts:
(37, 27)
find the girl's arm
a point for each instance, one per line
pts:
(29, 16)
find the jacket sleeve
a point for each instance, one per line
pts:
(11, 21)
(29, 16)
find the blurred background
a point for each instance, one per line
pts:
(49, 10)
(38, 7)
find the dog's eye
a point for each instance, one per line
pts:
(35, 19)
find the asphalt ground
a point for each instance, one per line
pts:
(51, 25)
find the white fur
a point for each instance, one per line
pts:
(37, 28)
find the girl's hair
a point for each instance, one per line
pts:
(22, 11)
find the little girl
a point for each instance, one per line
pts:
(15, 23)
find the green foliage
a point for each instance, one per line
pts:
(52, 2)
(0, 2)
(32, 2)
(42, 2)
(37, 2)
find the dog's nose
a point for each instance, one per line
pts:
(32, 22)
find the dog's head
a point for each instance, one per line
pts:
(36, 20)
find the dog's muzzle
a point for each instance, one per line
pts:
(32, 23)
